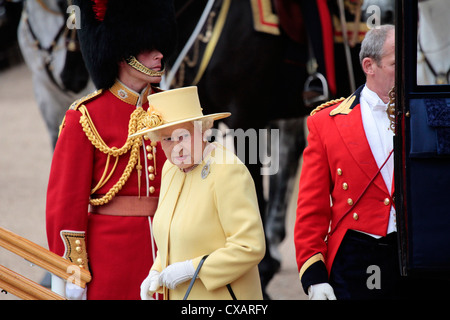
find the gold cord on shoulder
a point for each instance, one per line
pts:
(133, 144)
(325, 105)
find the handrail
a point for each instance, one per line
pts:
(39, 256)
(23, 287)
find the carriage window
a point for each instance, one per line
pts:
(433, 42)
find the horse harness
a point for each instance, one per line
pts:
(441, 77)
(71, 44)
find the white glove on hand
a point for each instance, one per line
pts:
(176, 273)
(150, 285)
(74, 292)
(321, 291)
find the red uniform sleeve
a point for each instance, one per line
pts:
(313, 207)
(69, 183)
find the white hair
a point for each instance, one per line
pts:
(372, 45)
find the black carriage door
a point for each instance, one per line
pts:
(422, 155)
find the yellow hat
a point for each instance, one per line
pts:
(172, 107)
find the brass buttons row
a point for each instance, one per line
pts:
(79, 249)
(350, 201)
(356, 216)
(344, 185)
(151, 149)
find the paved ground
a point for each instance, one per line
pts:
(25, 157)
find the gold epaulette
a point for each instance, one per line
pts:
(77, 103)
(345, 107)
(90, 96)
(326, 105)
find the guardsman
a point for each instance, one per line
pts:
(103, 187)
(345, 227)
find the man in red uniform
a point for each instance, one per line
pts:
(103, 187)
(345, 225)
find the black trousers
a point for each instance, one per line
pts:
(368, 268)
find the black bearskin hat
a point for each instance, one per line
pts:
(113, 30)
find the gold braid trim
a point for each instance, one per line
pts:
(133, 143)
(325, 105)
(152, 118)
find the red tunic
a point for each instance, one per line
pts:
(120, 249)
(338, 162)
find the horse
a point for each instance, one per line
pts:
(433, 42)
(59, 75)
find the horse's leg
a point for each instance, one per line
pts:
(290, 148)
(268, 265)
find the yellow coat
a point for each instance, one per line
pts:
(212, 210)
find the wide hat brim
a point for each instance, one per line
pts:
(214, 116)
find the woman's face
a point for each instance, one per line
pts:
(183, 144)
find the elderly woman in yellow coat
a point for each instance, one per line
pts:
(207, 207)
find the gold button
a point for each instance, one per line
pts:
(78, 249)
(153, 143)
(151, 176)
(151, 168)
(355, 216)
(151, 189)
(345, 186)
(149, 156)
(77, 242)
(146, 137)
(148, 148)
(387, 201)
(80, 261)
(339, 172)
(350, 201)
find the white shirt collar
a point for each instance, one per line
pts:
(373, 100)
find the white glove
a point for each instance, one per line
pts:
(321, 291)
(150, 285)
(74, 292)
(176, 273)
